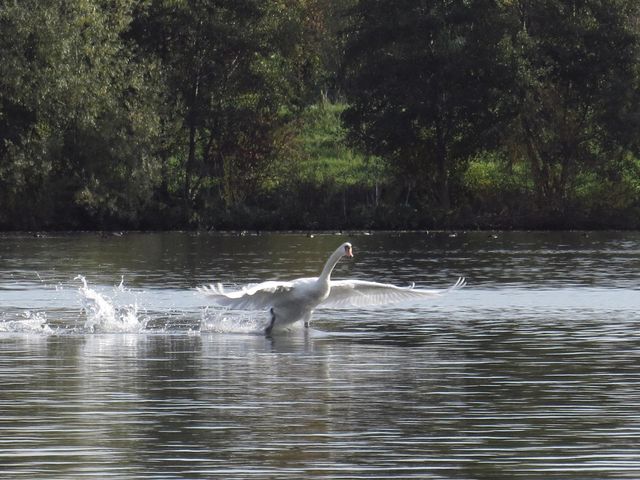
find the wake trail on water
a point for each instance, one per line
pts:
(98, 309)
(77, 307)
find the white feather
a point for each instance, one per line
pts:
(361, 293)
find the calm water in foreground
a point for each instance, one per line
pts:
(531, 371)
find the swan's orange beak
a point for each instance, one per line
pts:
(348, 251)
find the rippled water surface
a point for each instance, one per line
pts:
(113, 366)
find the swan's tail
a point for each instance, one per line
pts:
(211, 290)
(461, 282)
(458, 285)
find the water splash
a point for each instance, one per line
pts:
(103, 315)
(227, 321)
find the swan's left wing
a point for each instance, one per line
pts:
(254, 297)
(360, 293)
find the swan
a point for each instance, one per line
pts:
(289, 302)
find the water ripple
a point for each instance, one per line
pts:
(529, 372)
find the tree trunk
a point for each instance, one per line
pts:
(191, 154)
(442, 172)
(188, 169)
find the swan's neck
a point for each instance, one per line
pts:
(325, 276)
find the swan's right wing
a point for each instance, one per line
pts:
(254, 297)
(360, 293)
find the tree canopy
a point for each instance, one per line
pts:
(421, 78)
(226, 114)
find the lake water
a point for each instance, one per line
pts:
(113, 366)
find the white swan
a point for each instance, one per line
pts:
(296, 300)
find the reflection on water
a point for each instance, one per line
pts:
(529, 372)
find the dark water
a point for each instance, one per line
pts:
(531, 371)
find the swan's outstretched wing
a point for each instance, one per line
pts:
(360, 293)
(254, 297)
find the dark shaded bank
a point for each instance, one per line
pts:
(411, 218)
(338, 212)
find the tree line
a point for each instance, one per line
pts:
(205, 114)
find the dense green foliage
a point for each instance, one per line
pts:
(421, 77)
(293, 114)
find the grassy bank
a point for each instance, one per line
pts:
(323, 183)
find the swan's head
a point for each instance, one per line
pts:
(348, 249)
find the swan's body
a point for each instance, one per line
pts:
(289, 302)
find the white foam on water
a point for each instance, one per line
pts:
(31, 322)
